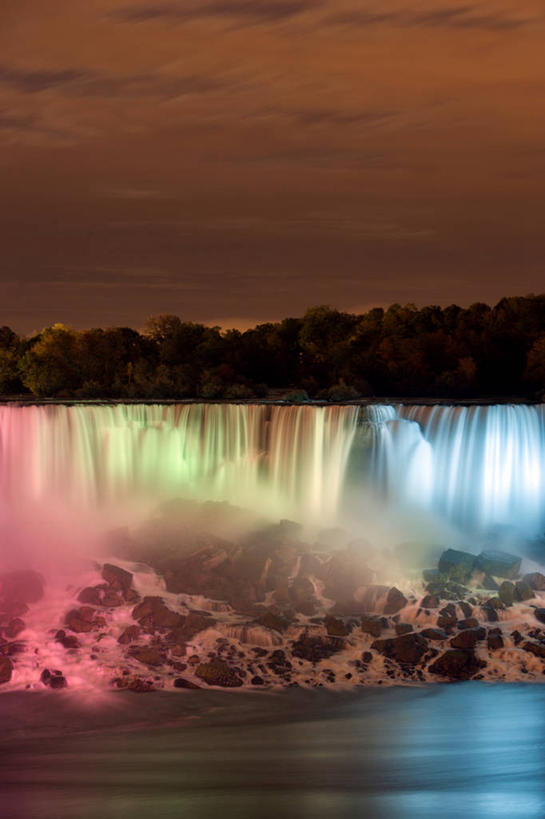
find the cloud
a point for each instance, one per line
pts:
(317, 116)
(454, 17)
(250, 11)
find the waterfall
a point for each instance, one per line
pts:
(477, 467)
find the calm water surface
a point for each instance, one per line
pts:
(470, 750)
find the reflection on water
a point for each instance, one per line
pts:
(468, 750)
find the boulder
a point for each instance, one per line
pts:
(535, 580)
(153, 612)
(118, 578)
(403, 628)
(217, 672)
(499, 564)
(371, 625)
(274, 621)
(315, 649)
(395, 601)
(469, 622)
(80, 620)
(457, 565)
(468, 638)
(523, 591)
(336, 627)
(434, 634)
(90, 595)
(506, 593)
(147, 655)
(129, 635)
(407, 649)
(430, 601)
(466, 608)
(457, 664)
(190, 626)
(181, 682)
(494, 642)
(257, 680)
(537, 649)
(539, 614)
(68, 641)
(6, 669)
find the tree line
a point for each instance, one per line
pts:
(402, 351)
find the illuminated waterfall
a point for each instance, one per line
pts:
(477, 467)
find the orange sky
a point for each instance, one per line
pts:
(236, 161)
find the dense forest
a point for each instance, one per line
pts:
(451, 352)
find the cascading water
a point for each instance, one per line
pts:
(475, 467)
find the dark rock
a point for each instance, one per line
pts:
(218, 673)
(535, 580)
(395, 601)
(191, 625)
(274, 621)
(434, 634)
(181, 682)
(257, 680)
(523, 591)
(153, 611)
(430, 601)
(489, 584)
(91, 595)
(539, 614)
(336, 627)
(407, 649)
(506, 593)
(490, 613)
(516, 637)
(58, 681)
(315, 649)
(468, 638)
(80, 620)
(456, 664)
(403, 628)
(111, 599)
(6, 669)
(129, 635)
(118, 578)
(457, 565)
(147, 655)
(465, 607)
(499, 564)
(366, 657)
(494, 642)
(68, 641)
(469, 622)
(537, 649)
(372, 626)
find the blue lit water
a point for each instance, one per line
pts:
(468, 750)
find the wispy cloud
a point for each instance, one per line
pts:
(249, 11)
(454, 17)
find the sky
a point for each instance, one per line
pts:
(237, 161)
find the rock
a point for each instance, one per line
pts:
(90, 595)
(457, 565)
(523, 591)
(490, 613)
(535, 580)
(494, 642)
(465, 607)
(153, 612)
(111, 599)
(537, 649)
(499, 564)
(129, 635)
(58, 681)
(539, 614)
(469, 622)
(181, 682)
(372, 626)
(403, 628)
(430, 601)
(336, 627)
(395, 601)
(434, 634)
(516, 637)
(257, 680)
(407, 649)
(457, 664)
(67, 641)
(191, 625)
(80, 620)
(6, 669)
(119, 579)
(147, 655)
(22, 586)
(468, 638)
(315, 649)
(273, 621)
(302, 596)
(372, 598)
(489, 584)
(217, 672)
(506, 593)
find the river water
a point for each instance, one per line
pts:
(462, 750)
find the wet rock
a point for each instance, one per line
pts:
(494, 641)
(523, 591)
(68, 641)
(539, 614)
(53, 679)
(91, 595)
(315, 649)
(372, 626)
(111, 599)
(457, 664)
(129, 635)
(147, 655)
(403, 628)
(218, 673)
(80, 620)
(499, 564)
(407, 649)
(191, 625)
(468, 638)
(506, 593)
(153, 612)
(469, 622)
(336, 627)
(537, 649)
(182, 682)
(434, 634)
(535, 580)
(516, 637)
(257, 680)
(465, 607)
(366, 657)
(489, 584)
(490, 613)
(457, 565)
(119, 579)
(395, 601)
(274, 621)
(430, 601)
(6, 669)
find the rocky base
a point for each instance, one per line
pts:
(288, 617)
